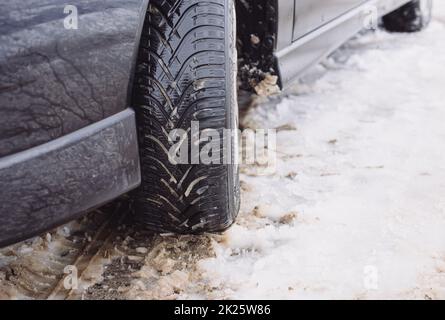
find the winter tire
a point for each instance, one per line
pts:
(186, 73)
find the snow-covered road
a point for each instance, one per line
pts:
(356, 208)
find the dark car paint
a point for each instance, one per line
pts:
(67, 138)
(49, 185)
(67, 135)
(54, 81)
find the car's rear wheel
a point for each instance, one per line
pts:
(186, 76)
(412, 17)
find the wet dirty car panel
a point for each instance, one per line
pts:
(54, 81)
(58, 181)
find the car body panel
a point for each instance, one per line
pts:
(306, 48)
(311, 14)
(68, 138)
(53, 80)
(285, 23)
(52, 183)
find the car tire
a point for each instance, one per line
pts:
(412, 17)
(186, 73)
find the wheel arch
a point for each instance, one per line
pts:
(257, 35)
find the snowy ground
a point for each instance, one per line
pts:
(355, 209)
